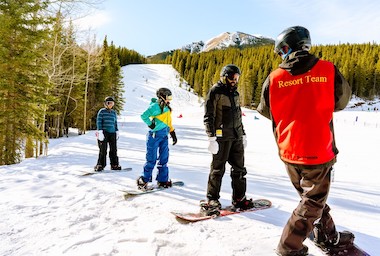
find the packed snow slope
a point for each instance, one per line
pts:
(47, 208)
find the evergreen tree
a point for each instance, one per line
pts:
(22, 81)
(93, 83)
(359, 63)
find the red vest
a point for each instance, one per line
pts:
(302, 108)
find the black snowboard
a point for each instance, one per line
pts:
(353, 251)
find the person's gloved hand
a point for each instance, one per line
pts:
(245, 143)
(100, 135)
(117, 135)
(213, 146)
(152, 125)
(174, 137)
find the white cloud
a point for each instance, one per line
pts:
(94, 21)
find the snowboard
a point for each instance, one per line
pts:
(88, 173)
(353, 251)
(151, 189)
(259, 204)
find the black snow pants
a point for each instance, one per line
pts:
(231, 151)
(109, 138)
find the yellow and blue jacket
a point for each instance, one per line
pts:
(161, 117)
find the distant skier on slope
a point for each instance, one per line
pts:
(159, 120)
(227, 140)
(107, 133)
(300, 98)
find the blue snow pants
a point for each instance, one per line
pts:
(157, 142)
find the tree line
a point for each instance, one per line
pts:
(48, 81)
(359, 63)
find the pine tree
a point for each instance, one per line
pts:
(22, 81)
(93, 65)
(117, 79)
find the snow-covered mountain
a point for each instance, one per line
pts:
(227, 39)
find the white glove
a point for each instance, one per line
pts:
(245, 141)
(213, 146)
(100, 135)
(117, 135)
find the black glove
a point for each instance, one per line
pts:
(152, 125)
(174, 137)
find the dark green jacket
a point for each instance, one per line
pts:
(223, 113)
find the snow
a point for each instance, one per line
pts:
(47, 208)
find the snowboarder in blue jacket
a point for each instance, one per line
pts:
(159, 120)
(106, 122)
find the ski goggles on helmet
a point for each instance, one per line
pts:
(166, 97)
(284, 52)
(109, 103)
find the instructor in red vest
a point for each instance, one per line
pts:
(299, 98)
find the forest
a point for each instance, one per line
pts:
(48, 81)
(51, 80)
(359, 63)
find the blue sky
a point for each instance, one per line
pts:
(153, 26)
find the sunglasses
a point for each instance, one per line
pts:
(110, 103)
(233, 77)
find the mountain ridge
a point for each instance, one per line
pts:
(228, 39)
(222, 41)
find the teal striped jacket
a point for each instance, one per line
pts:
(107, 120)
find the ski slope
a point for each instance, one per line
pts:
(47, 208)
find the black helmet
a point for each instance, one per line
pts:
(164, 93)
(296, 38)
(230, 70)
(109, 98)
